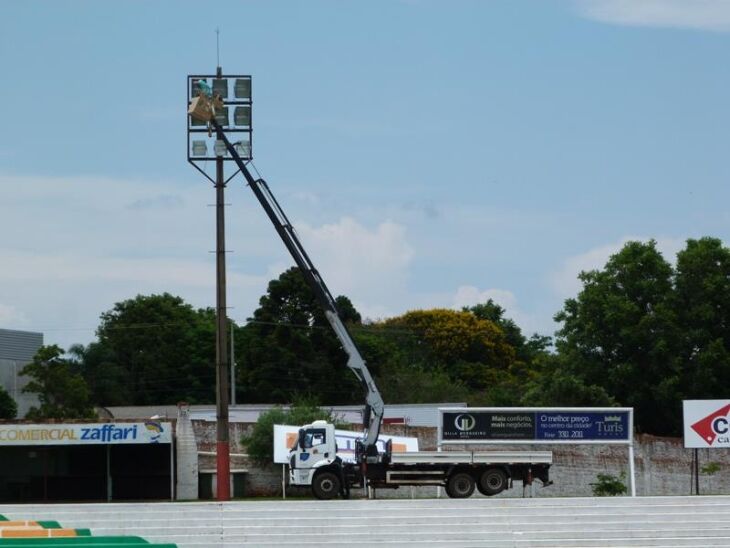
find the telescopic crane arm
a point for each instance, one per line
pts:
(374, 402)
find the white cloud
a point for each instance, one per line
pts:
(694, 14)
(369, 266)
(468, 295)
(565, 281)
(11, 318)
(80, 244)
(147, 272)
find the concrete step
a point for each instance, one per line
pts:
(588, 522)
(273, 511)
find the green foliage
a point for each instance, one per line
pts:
(471, 350)
(609, 485)
(703, 310)
(8, 407)
(620, 333)
(651, 335)
(554, 385)
(711, 468)
(414, 383)
(288, 348)
(640, 333)
(151, 350)
(62, 391)
(526, 350)
(260, 442)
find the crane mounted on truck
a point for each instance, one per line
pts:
(313, 460)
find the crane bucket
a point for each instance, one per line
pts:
(201, 108)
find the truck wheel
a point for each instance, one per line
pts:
(492, 482)
(460, 486)
(326, 486)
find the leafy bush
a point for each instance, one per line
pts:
(8, 407)
(609, 485)
(62, 391)
(260, 442)
(711, 468)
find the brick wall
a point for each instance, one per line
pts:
(663, 465)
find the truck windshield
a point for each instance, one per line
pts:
(314, 437)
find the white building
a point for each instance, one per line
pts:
(17, 348)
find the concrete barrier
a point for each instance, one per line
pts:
(565, 522)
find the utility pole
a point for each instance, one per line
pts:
(223, 453)
(233, 92)
(233, 368)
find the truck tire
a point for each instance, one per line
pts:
(460, 485)
(326, 485)
(492, 482)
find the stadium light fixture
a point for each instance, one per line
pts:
(242, 116)
(242, 88)
(200, 148)
(220, 148)
(220, 87)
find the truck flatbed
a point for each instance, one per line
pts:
(472, 457)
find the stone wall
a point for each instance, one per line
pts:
(663, 465)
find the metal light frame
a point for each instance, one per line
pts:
(234, 133)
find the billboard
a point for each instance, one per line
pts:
(150, 431)
(285, 437)
(535, 425)
(706, 423)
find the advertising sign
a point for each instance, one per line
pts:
(285, 437)
(487, 425)
(150, 431)
(581, 426)
(706, 423)
(534, 425)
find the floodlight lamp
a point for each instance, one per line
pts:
(242, 88)
(242, 116)
(243, 149)
(194, 89)
(196, 121)
(221, 116)
(220, 148)
(220, 87)
(200, 148)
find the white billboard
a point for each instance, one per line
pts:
(285, 437)
(706, 423)
(86, 434)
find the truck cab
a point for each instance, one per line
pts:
(315, 455)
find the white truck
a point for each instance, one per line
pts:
(313, 461)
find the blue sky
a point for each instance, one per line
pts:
(429, 153)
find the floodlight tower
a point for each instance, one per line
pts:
(200, 142)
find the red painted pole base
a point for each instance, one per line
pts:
(223, 471)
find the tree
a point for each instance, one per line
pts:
(620, 333)
(471, 350)
(152, 349)
(62, 391)
(260, 442)
(8, 407)
(555, 385)
(702, 304)
(288, 348)
(525, 349)
(104, 375)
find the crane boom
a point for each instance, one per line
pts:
(374, 402)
